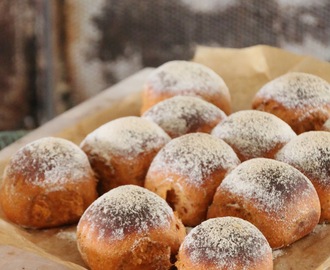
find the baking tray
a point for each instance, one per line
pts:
(56, 248)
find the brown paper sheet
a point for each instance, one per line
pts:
(244, 71)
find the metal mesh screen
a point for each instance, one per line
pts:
(59, 53)
(117, 38)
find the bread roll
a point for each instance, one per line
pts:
(129, 228)
(274, 196)
(254, 133)
(181, 115)
(185, 78)
(47, 183)
(300, 99)
(187, 171)
(310, 153)
(225, 243)
(121, 150)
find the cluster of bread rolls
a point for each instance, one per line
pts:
(247, 182)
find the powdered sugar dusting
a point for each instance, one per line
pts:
(225, 242)
(50, 162)
(253, 133)
(127, 209)
(127, 137)
(310, 153)
(182, 114)
(269, 183)
(184, 77)
(194, 156)
(297, 90)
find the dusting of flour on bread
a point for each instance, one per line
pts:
(253, 133)
(185, 76)
(50, 162)
(223, 241)
(194, 156)
(270, 184)
(126, 137)
(127, 209)
(180, 114)
(296, 90)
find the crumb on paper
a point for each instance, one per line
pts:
(278, 253)
(67, 235)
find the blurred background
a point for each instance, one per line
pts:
(55, 54)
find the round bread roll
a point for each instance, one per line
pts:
(47, 183)
(300, 99)
(187, 171)
(274, 196)
(129, 228)
(310, 153)
(121, 150)
(181, 115)
(225, 243)
(185, 78)
(254, 133)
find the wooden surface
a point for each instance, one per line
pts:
(57, 249)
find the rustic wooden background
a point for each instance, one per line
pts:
(55, 54)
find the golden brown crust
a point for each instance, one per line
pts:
(187, 171)
(129, 228)
(150, 251)
(324, 196)
(225, 243)
(120, 170)
(279, 200)
(186, 264)
(47, 195)
(189, 201)
(150, 98)
(280, 231)
(37, 208)
(300, 99)
(121, 151)
(185, 78)
(181, 115)
(253, 133)
(310, 154)
(297, 118)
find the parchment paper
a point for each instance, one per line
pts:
(244, 71)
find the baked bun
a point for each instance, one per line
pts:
(121, 150)
(310, 153)
(47, 183)
(129, 228)
(185, 78)
(274, 196)
(300, 99)
(225, 243)
(181, 115)
(254, 133)
(187, 171)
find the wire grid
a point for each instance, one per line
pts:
(167, 29)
